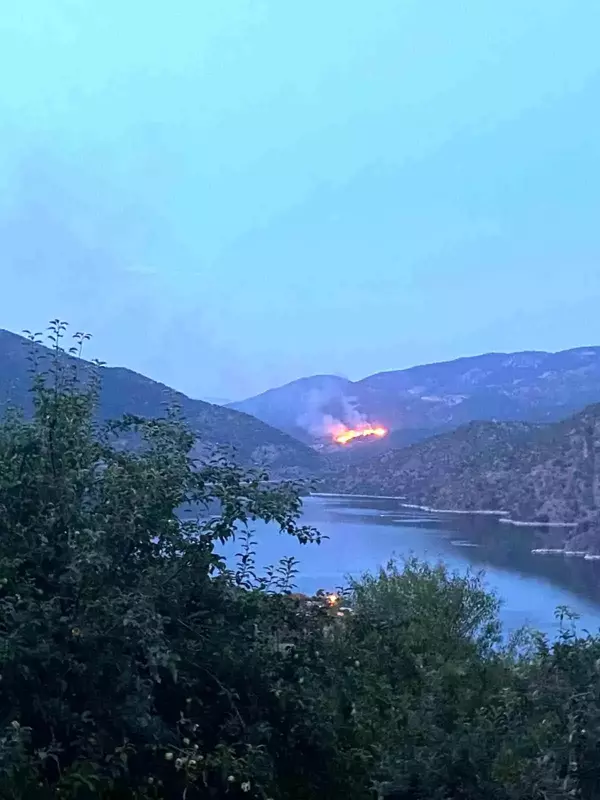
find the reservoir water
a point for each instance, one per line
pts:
(363, 534)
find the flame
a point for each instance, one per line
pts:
(344, 435)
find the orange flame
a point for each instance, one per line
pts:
(345, 435)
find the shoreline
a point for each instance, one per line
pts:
(519, 523)
(557, 551)
(479, 512)
(504, 520)
(483, 512)
(360, 496)
(429, 509)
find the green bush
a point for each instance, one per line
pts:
(135, 663)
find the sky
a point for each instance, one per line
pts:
(231, 194)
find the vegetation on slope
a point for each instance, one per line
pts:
(248, 440)
(529, 386)
(540, 473)
(136, 664)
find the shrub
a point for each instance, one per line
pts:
(135, 663)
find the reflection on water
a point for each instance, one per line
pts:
(363, 534)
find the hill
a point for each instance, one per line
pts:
(528, 386)
(301, 406)
(533, 472)
(247, 439)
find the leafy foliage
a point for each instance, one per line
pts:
(135, 663)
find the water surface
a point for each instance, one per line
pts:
(363, 534)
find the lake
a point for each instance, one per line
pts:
(363, 534)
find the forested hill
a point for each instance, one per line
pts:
(249, 440)
(533, 472)
(528, 386)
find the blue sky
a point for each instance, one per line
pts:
(230, 194)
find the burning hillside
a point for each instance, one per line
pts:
(342, 435)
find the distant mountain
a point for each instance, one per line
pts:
(528, 386)
(124, 391)
(534, 472)
(215, 401)
(301, 406)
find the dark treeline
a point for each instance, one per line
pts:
(135, 663)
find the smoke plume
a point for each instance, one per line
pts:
(325, 410)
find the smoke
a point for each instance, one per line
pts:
(326, 410)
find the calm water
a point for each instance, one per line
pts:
(365, 534)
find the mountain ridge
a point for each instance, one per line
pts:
(530, 385)
(124, 391)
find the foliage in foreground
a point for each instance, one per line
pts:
(135, 664)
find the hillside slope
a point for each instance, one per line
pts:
(125, 391)
(299, 407)
(547, 473)
(528, 386)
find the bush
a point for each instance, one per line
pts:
(135, 663)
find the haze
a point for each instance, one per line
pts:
(230, 195)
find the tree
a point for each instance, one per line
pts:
(135, 663)
(125, 640)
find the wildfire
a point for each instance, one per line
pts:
(345, 435)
